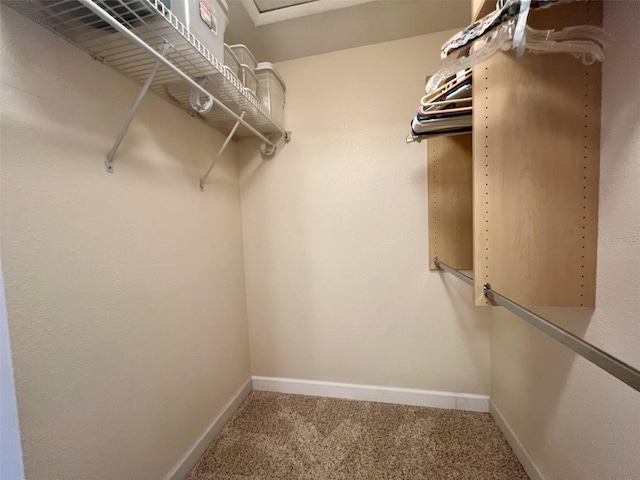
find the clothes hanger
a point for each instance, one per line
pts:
(505, 10)
(439, 92)
(584, 42)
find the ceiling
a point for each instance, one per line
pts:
(295, 31)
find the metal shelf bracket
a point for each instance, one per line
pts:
(134, 110)
(156, 50)
(269, 149)
(224, 145)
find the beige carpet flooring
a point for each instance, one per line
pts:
(280, 436)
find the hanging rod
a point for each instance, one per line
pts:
(609, 363)
(456, 273)
(134, 38)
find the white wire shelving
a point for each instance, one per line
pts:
(143, 40)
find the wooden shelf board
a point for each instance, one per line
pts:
(536, 171)
(449, 200)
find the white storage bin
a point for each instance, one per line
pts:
(231, 62)
(205, 19)
(248, 79)
(244, 55)
(271, 91)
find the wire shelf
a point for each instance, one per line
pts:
(153, 23)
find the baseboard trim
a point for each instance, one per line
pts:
(516, 445)
(191, 457)
(402, 396)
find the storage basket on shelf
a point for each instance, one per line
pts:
(231, 62)
(244, 56)
(248, 79)
(271, 90)
(205, 19)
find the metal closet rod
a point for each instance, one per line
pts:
(122, 29)
(609, 363)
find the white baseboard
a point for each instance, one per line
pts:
(516, 445)
(401, 396)
(191, 457)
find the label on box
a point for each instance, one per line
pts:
(208, 17)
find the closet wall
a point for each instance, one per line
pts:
(125, 292)
(575, 420)
(335, 234)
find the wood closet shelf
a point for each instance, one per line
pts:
(535, 175)
(450, 180)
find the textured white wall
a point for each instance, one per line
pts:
(335, 234)
(576, 421)
(125, 292)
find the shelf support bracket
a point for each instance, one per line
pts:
(269, 149)
(224, 145)
(134, 110)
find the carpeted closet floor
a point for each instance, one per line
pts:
(280, 436)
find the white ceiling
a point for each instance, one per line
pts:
(302, 34)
